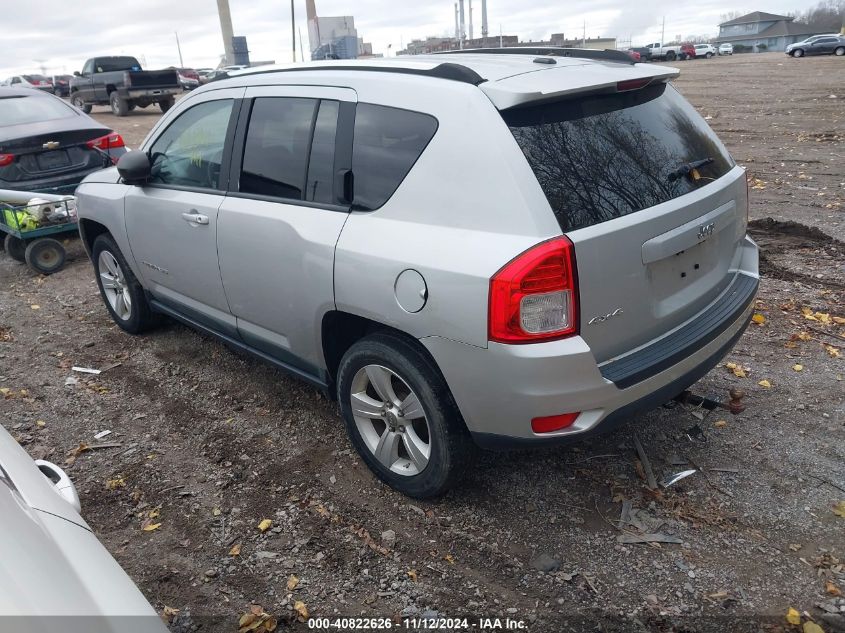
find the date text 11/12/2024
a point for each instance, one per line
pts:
(418, 624)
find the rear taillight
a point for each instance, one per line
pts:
(535, 296)
(6, 159)
(552, 423)
(632, 84)
(107, 142)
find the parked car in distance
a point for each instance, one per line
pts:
(119, 83)
(61, 85)
(188, 78)
(39, 82)
(705, 50)
(54, 568)
(203, 73)
(657, 50)
(635, 55)
(47, 145)
(687, 51)
(528, 302)
(818, 45)
(726, 48)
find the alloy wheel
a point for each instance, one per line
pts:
(114, 286)
(391, 420)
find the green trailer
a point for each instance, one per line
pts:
(32, 222)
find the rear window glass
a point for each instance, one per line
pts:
(111, 64)
(603, 157)
(387, 143)
(34, 78)
(20, 110)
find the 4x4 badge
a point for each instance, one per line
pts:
(603, 318)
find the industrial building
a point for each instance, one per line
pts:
(334, 37)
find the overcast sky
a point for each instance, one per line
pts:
(58, 35)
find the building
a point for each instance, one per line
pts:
(437, 44)
(333, 37)
(758, 32)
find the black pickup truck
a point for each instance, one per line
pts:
(120, 83)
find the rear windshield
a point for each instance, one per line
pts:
(599, 158)
(34, 78)
(110, 64)
(18, 110)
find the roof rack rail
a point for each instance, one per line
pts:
(607, 54)
(445, 70)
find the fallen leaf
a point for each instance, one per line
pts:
(832, 351)
(301, 609)
(236, 550)
(739, 372)
(35, 306)
(114, 484)
(5, 391)
(154, 513)
(449, 558)
(793, 617)
(169, 612)
(812, 627)
(802, 336)
(40, 424)
(759, 319)
(765, 384)
(798, 367)
(216, 512)
(265, 525)
(412, 574)
(838, 320)
(149, 527)
(832, 589)
(720, 424)
(839, 509)
(293, 582)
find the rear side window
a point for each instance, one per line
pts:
(320, 187)
(387, 143)
(603, 157)
(276, 152)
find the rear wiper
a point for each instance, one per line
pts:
(690, 168)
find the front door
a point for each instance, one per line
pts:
(283, 215)
(172, 221)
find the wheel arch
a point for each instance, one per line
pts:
(90, 230)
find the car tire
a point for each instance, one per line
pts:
(166, 104)
(839, 52)
(670, 56)
(15, 247)
(709, 55)
(119, 105)
(119, 288)
(45, 255)
(130, 106)
(393, 446)
(77, 102)
(798, 52)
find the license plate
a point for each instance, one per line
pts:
(53, 160)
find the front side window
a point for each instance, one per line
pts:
(190, 151)
(386, 144)
(277, 143)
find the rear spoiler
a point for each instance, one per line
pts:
(551, 83)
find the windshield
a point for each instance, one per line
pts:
(111, 64)
(18, 110)
(601, 157)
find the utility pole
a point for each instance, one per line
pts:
(293, 30)
(179, 48)
(663, 33)
(470, 19)
(500, 37)
(584, 37)
(301, 52)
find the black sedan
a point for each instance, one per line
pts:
(61, 85)
(47, 145)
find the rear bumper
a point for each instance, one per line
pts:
(149, 94)
(501, 388)
(64, 184)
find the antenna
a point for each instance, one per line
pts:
(293, 31)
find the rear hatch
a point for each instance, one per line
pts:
(655, 240)
(43, 137)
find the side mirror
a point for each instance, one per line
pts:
(76, 73)
(134, 167)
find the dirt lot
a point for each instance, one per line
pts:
(215, 442)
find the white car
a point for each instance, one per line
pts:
(704, 50)
(726, 49)
(39, 82)
(55, 574)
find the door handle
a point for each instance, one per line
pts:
(195, 218)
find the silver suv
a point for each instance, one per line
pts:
(508, 249)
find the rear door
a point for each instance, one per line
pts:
(172, 221)
(655, 240)
(283, 215)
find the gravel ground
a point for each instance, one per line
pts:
(215, 442)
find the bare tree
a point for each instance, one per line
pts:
(730, 15)
(828, 15)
